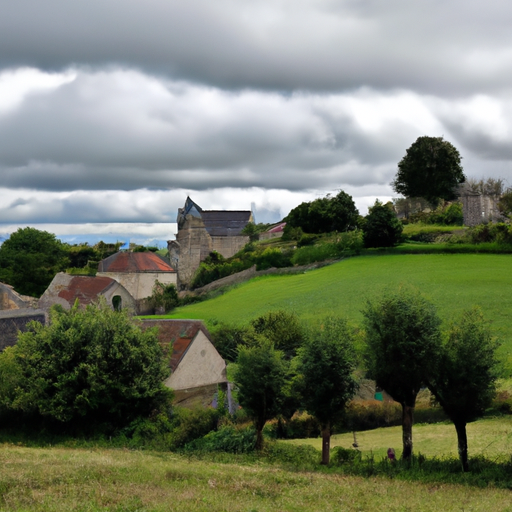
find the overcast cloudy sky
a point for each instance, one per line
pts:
(113, 111)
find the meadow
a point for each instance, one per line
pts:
(93, 480)
(490, 438)
(453, 282)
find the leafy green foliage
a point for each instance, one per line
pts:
(505, 203)
(430, 169)
(29, 260)
(282, 328)
(261, 376)
(216, 266)
(382, 227)
(164, 296)
(498, 232)
(323, 215)
(464, 383)
(404, 339)
(90, 364)
(228, 438)
(326, 363)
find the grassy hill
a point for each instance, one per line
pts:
(453, 282)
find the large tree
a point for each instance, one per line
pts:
(29, 260)
(326, 214)
(404, 340)
(89, 365)
(326, 363)
(464, 383)
(261, 377)
(430, 169)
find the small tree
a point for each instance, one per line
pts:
(382, 227)
(261, 376)
(92, 365)
(430, 169)
(403, 337)
(465, 382)
(326, 363)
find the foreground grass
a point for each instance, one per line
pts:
(453, 282)
(56, 479)
(490, 438)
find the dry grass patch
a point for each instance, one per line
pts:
(57, 479)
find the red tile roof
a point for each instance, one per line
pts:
(84, 288)
(278, 228)
(134, 262)
(179, 333)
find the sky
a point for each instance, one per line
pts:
(113, 111)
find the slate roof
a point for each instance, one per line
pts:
(180, 333)
(225, 222)
(134, 262)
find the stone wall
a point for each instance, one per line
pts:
(195, 244)
(16, 320)
(9, 299)
(478, 208)
(140, 284)
(229, 245)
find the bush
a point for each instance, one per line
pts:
(341, 456)
(87, 366)
(498, 232)
(228, 438)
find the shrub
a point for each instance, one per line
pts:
(228, 438)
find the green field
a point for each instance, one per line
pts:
(490, 438)
(94, 480)
(452, 282)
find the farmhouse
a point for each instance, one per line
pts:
(65, 289)
(137, 272)
(202, 231)
(197, 368)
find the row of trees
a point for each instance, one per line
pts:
(406, 350)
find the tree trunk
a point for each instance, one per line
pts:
(259, 439)
(462, 441)
(407, 419)
(326, 443)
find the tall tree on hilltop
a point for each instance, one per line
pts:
(430, 169)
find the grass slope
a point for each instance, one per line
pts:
(452, 281)
(56, 479)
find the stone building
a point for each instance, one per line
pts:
(478, 208)
(10, 299)
(197, 369)
(16, 320)
(65, 289)
(137, 272)
(201, 232)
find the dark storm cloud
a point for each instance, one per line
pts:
(427, 45)
(123, 130)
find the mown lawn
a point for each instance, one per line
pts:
(57, 479)
(452, 281)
